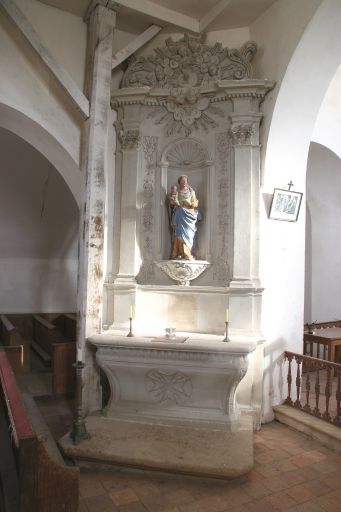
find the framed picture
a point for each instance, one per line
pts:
(285, 205)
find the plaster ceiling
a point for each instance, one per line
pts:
(132, 17)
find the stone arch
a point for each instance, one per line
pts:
(43, 141)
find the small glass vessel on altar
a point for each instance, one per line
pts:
(170, 333)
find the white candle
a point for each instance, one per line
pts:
(79, 354)
(131, 312)
(227, 316)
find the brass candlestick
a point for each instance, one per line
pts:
(130, 333)
(226, 331)
(79, 432)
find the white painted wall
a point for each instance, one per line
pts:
(38, 232)
(328, 123)
(27, 86)
(282, 244)
(323, 243)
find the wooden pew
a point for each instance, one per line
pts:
(51, 345)
(30, 480)
(67, 324)
(16, 346)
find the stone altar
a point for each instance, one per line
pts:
(172, 405)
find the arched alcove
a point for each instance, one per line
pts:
(38, 232)
(190, 157)
(42, 140)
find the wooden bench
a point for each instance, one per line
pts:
(30, 481)
(16, 346)
(67, 324)
(51, 345)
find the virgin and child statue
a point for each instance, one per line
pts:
(183, 218)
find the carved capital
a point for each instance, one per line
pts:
(129, 138)
(241, 134)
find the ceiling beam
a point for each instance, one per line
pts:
(135, 45)
(67, 83)
(212, 14)
(162, 13)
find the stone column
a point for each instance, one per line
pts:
(101, 22)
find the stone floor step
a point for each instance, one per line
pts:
(328, 434)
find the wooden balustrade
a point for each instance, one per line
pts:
(316, 377)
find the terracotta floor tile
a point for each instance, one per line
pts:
(132, 507)
(259, 506)
(300, 493)
(100, 504)
(158, 503)
(254, 476)
(280, 500)
(123, 496)
(319, 487)
(180, 497)
(212, 504)
(292, 478)
(190, 507)
(326, 466)
(256, 489)
(275, 484)
(91, 487)
(331, 479)
(329, 503)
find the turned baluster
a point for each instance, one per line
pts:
(326, 414)
(337, 419)
(324, 351)
(307, 386)
(317, 391)
(298, 382)
(289, 380)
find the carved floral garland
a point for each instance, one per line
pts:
(184, 67)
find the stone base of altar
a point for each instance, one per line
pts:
(219, 453)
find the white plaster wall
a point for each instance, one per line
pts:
(277, 33)
(38, 232)
(328, 123)
(282, 263)
(323, 243)
(25, 83)
(63, 34)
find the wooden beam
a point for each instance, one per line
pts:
(162, 13)
(67, 83)
(212, 14)
(137, 43)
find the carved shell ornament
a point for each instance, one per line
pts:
(184, 67)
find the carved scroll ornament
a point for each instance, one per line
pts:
(190, 62)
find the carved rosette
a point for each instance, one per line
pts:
(168, 387)
(241, 134)
(221, 268)
(149, 147)
(186, 110)
(183, 271)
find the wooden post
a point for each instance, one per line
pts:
(101, 22)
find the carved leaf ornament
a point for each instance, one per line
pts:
(184, 67)
(190, 62)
